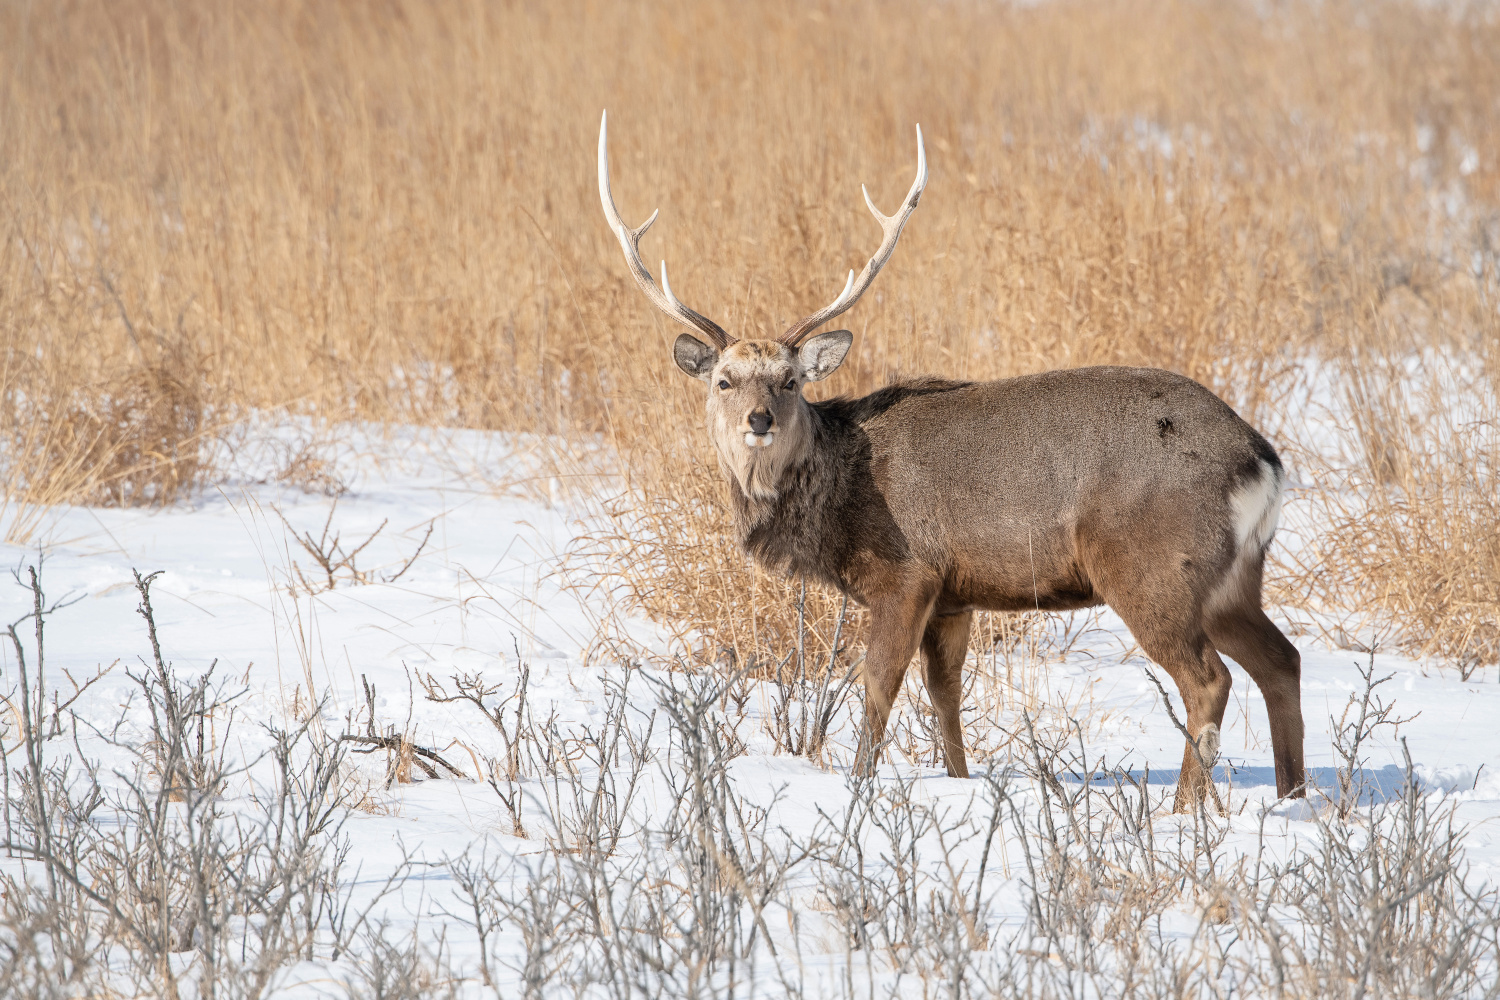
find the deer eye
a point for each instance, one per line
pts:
(723, 384)
(791, 384)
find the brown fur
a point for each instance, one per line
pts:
(929, 499)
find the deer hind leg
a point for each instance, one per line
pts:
(896, 626)
(1244, 633)
(1204, 682)
(1166, 624)
(945, 643)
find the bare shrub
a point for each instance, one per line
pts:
(1055, 877)
(339, 562)
(396, 969)
(808, 695)
(150, 880)
(670, 902)
(1364, 714)
(402, 754)
(652, 870)
(512, 719)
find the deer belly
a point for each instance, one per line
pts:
(1009, 585)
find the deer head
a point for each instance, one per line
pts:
(757, 417)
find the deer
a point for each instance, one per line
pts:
(933, 498)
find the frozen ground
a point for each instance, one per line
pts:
(484, 597)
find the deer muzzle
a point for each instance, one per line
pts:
(760, 434)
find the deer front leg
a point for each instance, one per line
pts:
(945, 644)
(896, 625)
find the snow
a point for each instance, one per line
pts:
(486, 595)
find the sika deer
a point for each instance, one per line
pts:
(930, 499)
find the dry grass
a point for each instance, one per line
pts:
(1412, 527)
(390, 213)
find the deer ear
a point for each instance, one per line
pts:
(694, 356)
(822, 355)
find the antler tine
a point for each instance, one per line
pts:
(630, 242)
(855, 287)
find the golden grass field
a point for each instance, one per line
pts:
(388, 212)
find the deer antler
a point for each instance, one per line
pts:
(854, 288)
(630, 242)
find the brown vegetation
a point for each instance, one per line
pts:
(389, 213)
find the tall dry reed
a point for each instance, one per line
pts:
(388, 212)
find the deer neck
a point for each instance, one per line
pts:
(787, 519)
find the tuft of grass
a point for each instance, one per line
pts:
(137, 437)
(1408, 529)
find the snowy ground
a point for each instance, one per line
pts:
(484, 596)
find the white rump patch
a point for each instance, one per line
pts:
(1256, 508)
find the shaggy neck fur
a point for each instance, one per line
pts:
(783, 502)
(818, 510)
(820, 513)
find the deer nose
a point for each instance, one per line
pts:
(760, 421)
